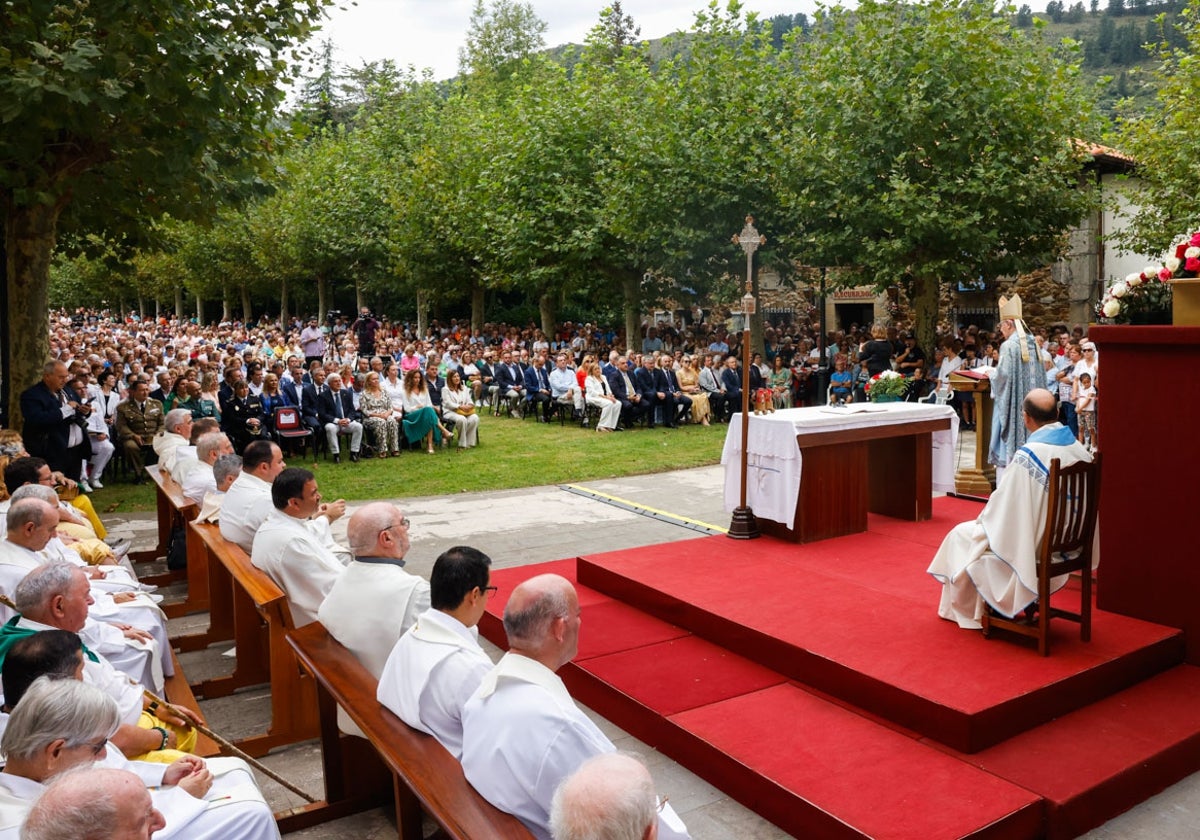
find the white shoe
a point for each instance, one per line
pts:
(96, 483)
(84, 487)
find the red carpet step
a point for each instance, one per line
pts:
(816, 685)
(855, 617)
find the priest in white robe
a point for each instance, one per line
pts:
(374, 600)
(286, 549)
(436, 666)
(247, 502)
(522, 732)
(992, 561)
(199, 800)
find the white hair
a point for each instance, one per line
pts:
(81, 803)
(52, 709)
(176, 418)
(610, 797)
(208, 444)
(42, 584)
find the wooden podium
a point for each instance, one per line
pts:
(981, 478)
(1148, 566)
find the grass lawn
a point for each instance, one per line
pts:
(510, 454)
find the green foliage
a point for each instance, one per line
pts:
(1163, 143)
(956, 158)
(125, 111)
(500, 36)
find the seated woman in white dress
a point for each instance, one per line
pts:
(597, 393)
(458, 409)
(420, 419)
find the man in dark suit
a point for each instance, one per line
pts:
(304, 397)
(624, 389)
(647, 384)
(511, 381)
(537, 387)
(165, 383)
(609, 368)
(55, 417)
(731, 381)
(335, 410)
(487, 375)
(677, 404)
(434, 384)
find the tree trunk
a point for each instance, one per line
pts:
(179, 302)
(283, 306)
(322, 297)
(631, 288)
(422, 317)
(924, 304)
(247, 312)
(358, 297)
(548, 308)
(226, 307)
(478, 293)
(29, 244)
(199, 310)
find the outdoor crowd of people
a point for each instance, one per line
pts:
(370, 388)
(78, 612)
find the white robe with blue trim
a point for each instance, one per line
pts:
(993, 560)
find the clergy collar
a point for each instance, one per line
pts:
(391, 561)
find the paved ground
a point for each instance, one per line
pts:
(539, 524)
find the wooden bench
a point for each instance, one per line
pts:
(178, 691)
(174, 510)
(426, 779)
(247, 606)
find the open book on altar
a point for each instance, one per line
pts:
(854, 408)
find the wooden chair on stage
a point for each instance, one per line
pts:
(1066, 547)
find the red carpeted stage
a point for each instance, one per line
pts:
(816, 684)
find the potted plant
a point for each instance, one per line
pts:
(888, 386)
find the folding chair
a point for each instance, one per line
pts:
(290, 427)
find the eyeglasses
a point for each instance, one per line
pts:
(403, 523)
(485, 590)
(662, 802)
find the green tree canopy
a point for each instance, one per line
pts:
(134, 109)
(942, 152)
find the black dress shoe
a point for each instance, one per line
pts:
(353, 457)
(337, 459)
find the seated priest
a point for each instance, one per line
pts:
(990, 563)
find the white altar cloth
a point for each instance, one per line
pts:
(774, 462)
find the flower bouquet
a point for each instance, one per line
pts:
(1145, 297)
(888, 386)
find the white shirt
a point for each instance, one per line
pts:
(164, 446)
(246, 505)
(183, 461)
(522, 735)
(199, 481)
(432, 671)
(287, 550)
(372, 603)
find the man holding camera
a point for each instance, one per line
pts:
(364, 328)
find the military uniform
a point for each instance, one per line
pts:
(145, 421)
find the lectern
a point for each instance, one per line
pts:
(979, 479)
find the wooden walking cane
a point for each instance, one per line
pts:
(225, 744)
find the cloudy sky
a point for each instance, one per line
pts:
(428, 33)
